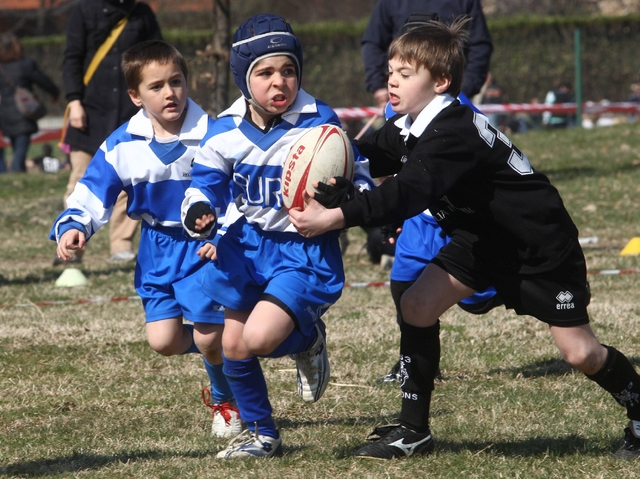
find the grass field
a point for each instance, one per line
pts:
(83, 395)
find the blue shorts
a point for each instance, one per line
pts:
(303, 276)
(167, 278)
(419, 242)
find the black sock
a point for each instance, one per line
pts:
(419, 363)
(397, 289)
(619, 378)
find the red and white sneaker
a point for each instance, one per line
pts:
(226, 417)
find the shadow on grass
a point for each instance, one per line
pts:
(564, 174)
(570, 173)
(51, 274)
(571, 445)
(79, 461)
(546, 367)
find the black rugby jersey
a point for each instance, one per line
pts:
(477, 184)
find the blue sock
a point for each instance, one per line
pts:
(220, 390)
(296, 342)
(193, 348)
(250, 390)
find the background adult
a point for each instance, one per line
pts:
(104, 104)
(17, 70)
(390, 15)
(560, 94)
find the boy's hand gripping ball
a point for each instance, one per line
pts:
(320, 154)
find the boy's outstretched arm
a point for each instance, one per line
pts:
(315, 219)
(71, 240)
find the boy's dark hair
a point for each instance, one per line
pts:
(139, 56)
(438, 47)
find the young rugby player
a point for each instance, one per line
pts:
(150, 158)
(275, 284)
(508, 226)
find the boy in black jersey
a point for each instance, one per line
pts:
(508, 225)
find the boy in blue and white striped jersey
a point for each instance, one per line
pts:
(275, 285)
(150, 158)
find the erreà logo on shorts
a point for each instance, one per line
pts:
(564, 300)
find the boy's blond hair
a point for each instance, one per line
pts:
(143, 54)
(438, 47)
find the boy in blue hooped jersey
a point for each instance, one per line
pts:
(275, 284)
(150, 158)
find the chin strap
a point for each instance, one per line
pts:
(257, 106)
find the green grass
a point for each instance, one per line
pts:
(83, 395)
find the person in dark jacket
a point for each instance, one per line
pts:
(99, 108)
(16, 70)
(388, 18)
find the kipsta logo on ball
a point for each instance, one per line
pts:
(320, 154)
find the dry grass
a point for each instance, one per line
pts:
(82, 394)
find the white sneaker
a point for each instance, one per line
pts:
(313, 367)
(122, 256)
(249, 444)
(386, 261)
(226, 417)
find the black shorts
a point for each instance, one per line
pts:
(558, 297)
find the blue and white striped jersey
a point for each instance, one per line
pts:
(155, 175)
(237, 155)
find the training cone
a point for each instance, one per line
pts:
(633, 247)
(71, 277)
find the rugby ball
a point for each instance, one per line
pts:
(320, 154)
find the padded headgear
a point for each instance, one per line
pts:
(259, 37)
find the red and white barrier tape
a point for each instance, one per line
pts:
(615, 271)
(372, 284)
(43, 136)
(511, 108)
(357, 113)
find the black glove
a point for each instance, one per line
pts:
(196, 211)
(390, 231)
(332, 196)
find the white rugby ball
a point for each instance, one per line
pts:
(320, 154)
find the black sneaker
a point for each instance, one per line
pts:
(394, 375)
(391, 376)
(631, 447)
(394, 441)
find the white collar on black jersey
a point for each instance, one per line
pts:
(194, 127)
(429, 112)
(304, 103)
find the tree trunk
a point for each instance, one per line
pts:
(221, 47)
(41, 15)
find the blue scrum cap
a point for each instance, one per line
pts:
(259, 37)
